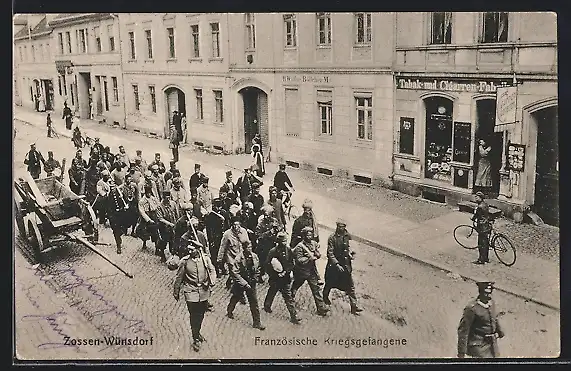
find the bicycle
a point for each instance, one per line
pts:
(467, 237)
(291, 211)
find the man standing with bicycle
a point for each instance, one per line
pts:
(483, 221)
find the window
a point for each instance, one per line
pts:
(149, 37)
(290, 30)
(195, 50)
(364, 105)
(25, 53)
(495, 28)
(441, 28)
(325, 107)
(68, 41)
(136, 97)
(199, 109)
(406, 135)
(111, 38)
(215, 28)
(172, 52)
(42, 53)
(48, 55)
(98, 43)
(21, 54)
(153, 98)
(60, 42)
(292, 105)
(219, 107)
(363, 21)
(59, 85)
(250, 32)
(115, 90)
(324, 28)
(82, 42)
(64, 84)
(132, 54)
(33, 53)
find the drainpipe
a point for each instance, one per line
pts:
(120, 40)
(229, 75)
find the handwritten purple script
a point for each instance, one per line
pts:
(136, 325)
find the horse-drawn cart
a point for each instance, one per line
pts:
(56, 214)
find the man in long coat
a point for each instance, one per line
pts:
(479, 327)
(339, 270)
(77, 174)
(67, 115)
(34, 160)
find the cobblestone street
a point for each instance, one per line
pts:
(402, 299)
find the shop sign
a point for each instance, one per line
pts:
(516, 157)
(288, 79)
(506, 105)
(470, 86)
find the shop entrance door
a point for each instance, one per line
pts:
(486, 120)
(546, 203)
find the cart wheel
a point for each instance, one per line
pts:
(91, 226)
(19, 219)
(36, 240)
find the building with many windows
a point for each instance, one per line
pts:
(318, 87)
(88, 66)
(465, 77)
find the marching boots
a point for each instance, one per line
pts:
(326, 291)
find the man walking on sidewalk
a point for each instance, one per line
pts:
(195, 276)
(483, 221)
(244, 270)
(305, 254)
(49, 125)
(479, 327)
(339, 271)
(34, 160)
(67, 116)
(279, 265)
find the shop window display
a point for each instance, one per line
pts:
(438, 139)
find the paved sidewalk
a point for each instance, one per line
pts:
(428, 241)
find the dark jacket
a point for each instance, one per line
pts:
(245, 272)
(301, 222)
(281, 179)
(34, 160)
(339, 252)
(477, 322)
(285, 257)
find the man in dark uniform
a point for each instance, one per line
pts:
(305, 253)
(181, 226)
(256, 199)
(161, 165)
(244, 270)
(196, 178)
(339, 271)
(97, 146)
(77, 173)
(34, 160)
(67, 116)
(483, 221)
(172, 172)
(167, 215)
(281, 180)
(217, 222)
(230, 186)
(479, 327)
(279, 265)
(117, 208)
(196, 276)
(51, 164)
(244, 185)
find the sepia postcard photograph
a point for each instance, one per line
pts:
(285, 186)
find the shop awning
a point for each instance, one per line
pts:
(62, 65)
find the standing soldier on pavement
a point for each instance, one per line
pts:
(196, 276)
(67, 116)
(117, 208)
(51, 164)
(244, 270)
(77, 173)
(479, 327)
(49, 125)
(279, 265)
(34, 160)
(339, 271)
(267, 231)
(483, 221)
(148, 223)
(168, 213)
(196, 178)
(305, 254)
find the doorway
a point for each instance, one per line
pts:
(438, 140)
(84, 95)
(49, 94)
(486, 121)
(106, 92)
(546, 203)
(255, 117)
(175, 101)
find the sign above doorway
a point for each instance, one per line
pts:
(305, 79)
(469, 86)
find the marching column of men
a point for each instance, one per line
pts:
(203, 237)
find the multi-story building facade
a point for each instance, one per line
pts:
(465, 77)
(318, 88)
(87, 65)
(33, 58)
(178, 62)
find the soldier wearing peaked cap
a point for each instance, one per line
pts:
(339, 271)
(196, 178)
(479, 327)
(34, 160)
